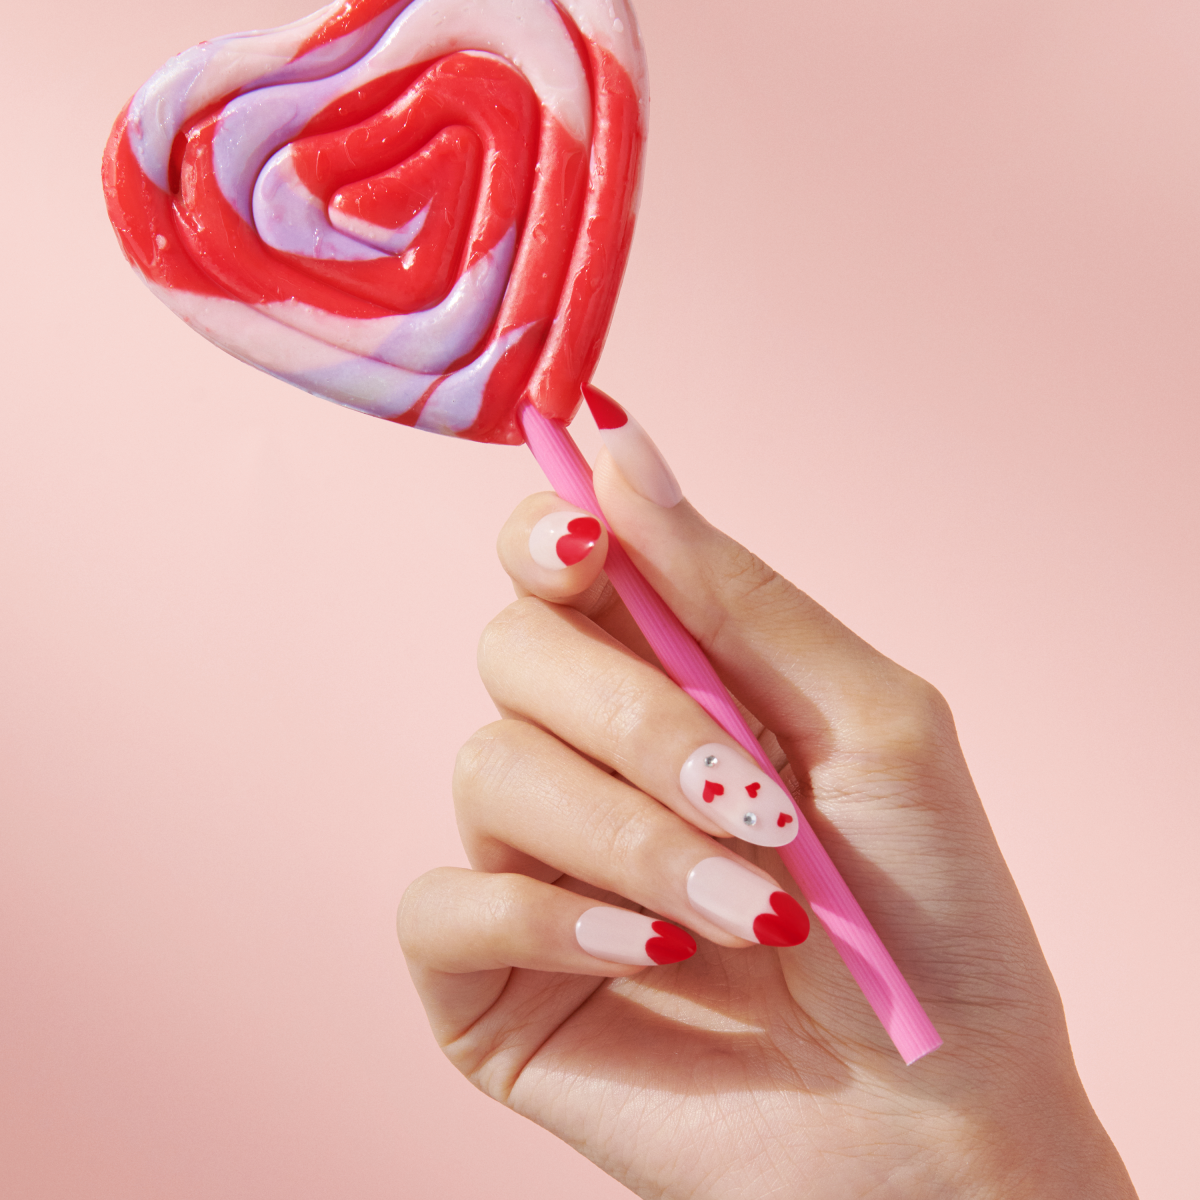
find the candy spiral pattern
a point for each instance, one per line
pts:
(417, 208)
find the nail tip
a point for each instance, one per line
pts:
(606, 412)
(671, 945)
(633, 451)
(786, 925)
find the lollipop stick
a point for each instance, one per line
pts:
(844, 921)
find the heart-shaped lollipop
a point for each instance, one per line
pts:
(417, 208)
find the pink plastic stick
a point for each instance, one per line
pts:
(844, 921)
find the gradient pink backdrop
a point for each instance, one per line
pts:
(912, 308)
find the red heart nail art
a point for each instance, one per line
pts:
(671, 945)
(578, 542)
(786, 926)
(784, 819)
(712, 790)
(752, 789)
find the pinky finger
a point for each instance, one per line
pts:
(463, 931)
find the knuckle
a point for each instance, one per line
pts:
(422, 896)
(747, 581)
(503, 901)
(632, 835)
(918, 719)
(488, 758)
(751, 591)
(617, 705)
(512, 632)
(905, 740)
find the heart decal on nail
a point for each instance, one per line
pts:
(718, 779)
(786, 926)
(671, 945)
(579, 541)
(784, 819)
(562, 539)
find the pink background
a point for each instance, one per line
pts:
(941, 261)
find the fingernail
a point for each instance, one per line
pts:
(637, 457)
(562, 539)
(618, 935)
(738, 795)
(745, 904)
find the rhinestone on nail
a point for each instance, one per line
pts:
(710, 760)
(750, 819)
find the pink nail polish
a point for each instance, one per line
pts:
(618, 935)
(637, 457)
(738, 795)
(562, 539)
(746, 904)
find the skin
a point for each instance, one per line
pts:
(744, 1071)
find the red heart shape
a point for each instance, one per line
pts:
(752, 788)
(671, 945)
(787, 926)
(784, 819)
(711, 790)
(363, 204)
(580, 539)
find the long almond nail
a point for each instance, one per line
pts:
(562, 539)
(637, 457)
(618, 935)
(738, 795)
(745, 904)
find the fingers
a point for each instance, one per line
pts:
(886, 787)
(873, 747)
(528, 804)
(456, 921)
(819, 686)
(463, 932)
(552, 667)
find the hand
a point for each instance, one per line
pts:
(744, 1070)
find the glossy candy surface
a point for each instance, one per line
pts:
(418, 208)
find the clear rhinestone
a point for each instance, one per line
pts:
(710, 760)
(750, 819)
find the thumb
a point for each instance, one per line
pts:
(797, 667)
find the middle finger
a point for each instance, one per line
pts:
(551, 666)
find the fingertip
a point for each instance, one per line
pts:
(552, 550)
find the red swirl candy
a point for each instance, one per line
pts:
(418, 208)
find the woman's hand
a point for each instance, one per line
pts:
(744, 1069)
